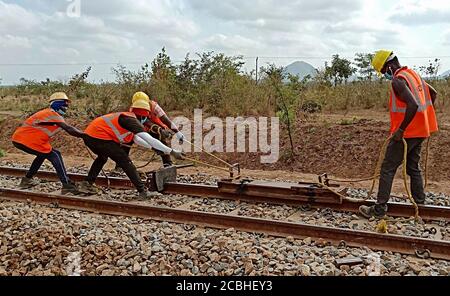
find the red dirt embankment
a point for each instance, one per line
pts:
(348, 151)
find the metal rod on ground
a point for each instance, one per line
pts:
(210, 154)
(207, 164)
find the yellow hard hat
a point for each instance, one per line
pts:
(59, 96)
(380, 59)
(140, 96)
(141, 104)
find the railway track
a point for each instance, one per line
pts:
(427, 248)
(301, 194)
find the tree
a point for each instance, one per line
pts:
(432, 69)
(340, 70)
(285, 95)
(363, 61)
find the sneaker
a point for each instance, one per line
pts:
(149, 194)
(70, 188)
(28, 183)
(376, 211)
(88, 188)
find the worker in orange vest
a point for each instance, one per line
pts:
(157, 126)
(34, 137)
(107, 134)
(413, 118)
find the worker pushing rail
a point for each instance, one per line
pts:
(413, 119)
(34, 138)
(158, 125)
(106, 135)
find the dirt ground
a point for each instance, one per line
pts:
(343, 145)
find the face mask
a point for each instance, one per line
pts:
(62, 111)
(60, 107)
(389, 76)
(144, 120)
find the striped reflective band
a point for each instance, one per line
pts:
(120, 137)
(422, 105)
(47, 131)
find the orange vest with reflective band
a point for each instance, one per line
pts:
(36, 136)
(108, 128)
(425, 122)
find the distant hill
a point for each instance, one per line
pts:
(445, 74)
(300, 69)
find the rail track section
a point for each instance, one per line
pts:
(279, 193)
(426, 248)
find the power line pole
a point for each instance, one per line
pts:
(257, 59)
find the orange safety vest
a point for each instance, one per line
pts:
(425, 122)
(36, 136)
(107, 128)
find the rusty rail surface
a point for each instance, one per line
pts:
(263, 194)
(380, 242)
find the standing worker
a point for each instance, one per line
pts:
(34, 137)
(413, 118)
(157, 126)
(106, 135)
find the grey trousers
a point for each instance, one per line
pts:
(392, 161)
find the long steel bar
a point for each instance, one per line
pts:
(395, 209)
(375, 241)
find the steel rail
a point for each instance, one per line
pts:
(381, 242)
(427, 212)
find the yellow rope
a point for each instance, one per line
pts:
(427, 154)
(206, 164)
(378, 173)
(405, 180)
(210, 154)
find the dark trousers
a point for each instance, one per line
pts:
(157, 133)
(54, 157)
(109, 149)
(394, 158)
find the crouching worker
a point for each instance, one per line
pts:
(157, 126)
(106, 134)
(34, 137)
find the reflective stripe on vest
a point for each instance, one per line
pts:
(108, 119)
(36, 124)
(423, 106)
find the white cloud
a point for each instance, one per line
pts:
(38, 31)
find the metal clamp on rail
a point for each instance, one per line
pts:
(323, 179)
(233, 169)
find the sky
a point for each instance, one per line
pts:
(59, 38)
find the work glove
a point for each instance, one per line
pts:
(180, 137)
(165, 134)
(177, 154)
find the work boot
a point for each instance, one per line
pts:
(88, 188)
(70, 188)
(376, 211)
(28, 183)
(149, 194)
(118, 170)
(419, 201)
